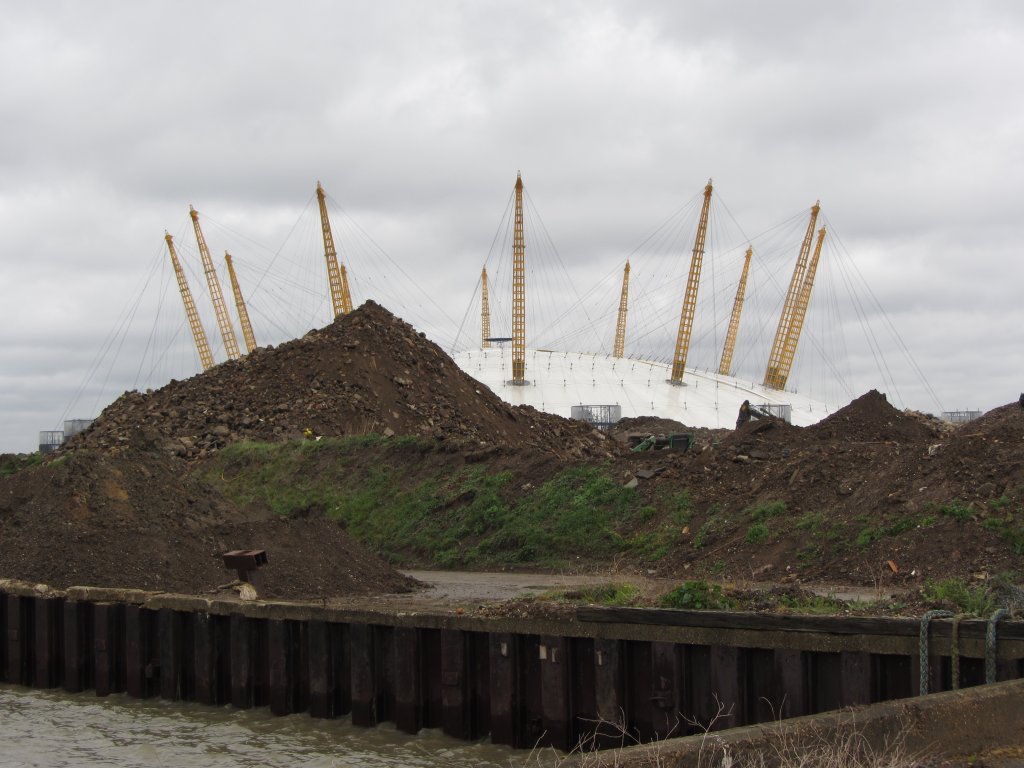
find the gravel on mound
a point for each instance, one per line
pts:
(368, 371)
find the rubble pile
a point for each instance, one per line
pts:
(128, 518)
(367, 372)
(868, 492)
(867, 485)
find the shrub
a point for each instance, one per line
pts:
(961, 596)
(696, 596)
(957, 510)
(767, 510)
(756, 533)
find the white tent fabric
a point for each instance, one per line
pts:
(560, 380)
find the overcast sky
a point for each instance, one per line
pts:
(905, 119)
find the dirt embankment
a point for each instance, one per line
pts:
(121, 506)
(865, 486)
(368, 372)
(124, 505)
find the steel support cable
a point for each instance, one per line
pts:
(152, 331)
(290, 317)
(861, 313)
(578, 331)
(170, 345)
(120, 327)
(275, 254)
(353, 224)
(534, 213)
(990, 644)
(891, 326)
(665, 242)
(713, 240)
(923, 646)
(501, 289)
(503, 225)
(465, 315)
(873, 346)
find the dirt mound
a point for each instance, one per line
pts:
(869, 495)
(839, 500)
(871, 418)
(982, 459)
(126, 518)
(366, 372)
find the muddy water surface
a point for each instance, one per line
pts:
(51, 728)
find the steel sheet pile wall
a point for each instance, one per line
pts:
(647, 674)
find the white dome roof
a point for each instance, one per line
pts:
(560, 380)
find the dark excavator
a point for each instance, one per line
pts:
(748, 412)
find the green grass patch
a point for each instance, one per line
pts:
(955, 509)
(813, 522)
(416, 511)
(768, 510)
(960, 596)
(812, 604)
(11, 465)
(613, 594)
(872, 531)
(696, 596)
(1008, 521)
(756, 533)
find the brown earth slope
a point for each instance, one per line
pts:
(869, 495)
(368, 372)
(866, 485)
(127, 518)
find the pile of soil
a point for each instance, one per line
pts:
(126, 485)
(367, 372)
(133, 519)
(865, 486)
(870, 495)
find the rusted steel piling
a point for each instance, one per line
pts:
(648, 674)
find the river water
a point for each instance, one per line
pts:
(51, 728)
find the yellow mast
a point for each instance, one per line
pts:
(725, 366)
(518, 291)
(485, 312)
(690, 299)
(205, 358)
(799, 313)
(771, 377)
(227, 332)
(243, 313)
(341, 299)
(620, 326)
